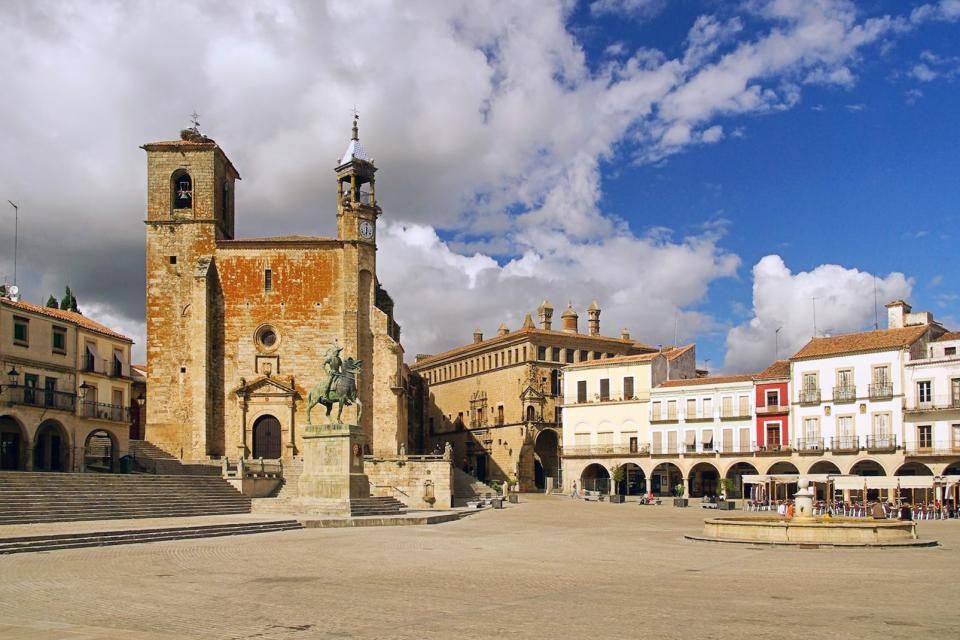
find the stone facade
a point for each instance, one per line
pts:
(65, 390)
(498, 401)
(420, 482)
(237, 328)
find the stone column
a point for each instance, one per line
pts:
(332, 469)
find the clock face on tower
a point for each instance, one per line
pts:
(366, 229)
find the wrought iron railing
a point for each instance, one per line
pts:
(810, 396)
(606, 450)
(845, 443)
(880, 391)
(933, 403)
(102, 411)
(939, 448)
(881, 443)
(42, 398)
(810, 444)
(846, 393)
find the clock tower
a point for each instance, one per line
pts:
(357, 208)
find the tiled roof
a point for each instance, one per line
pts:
(877, 340)
(950, 335)
(779, 369)
(431, 360)
(67, 316)
(708, 380)
(673, 354)
(640, 357)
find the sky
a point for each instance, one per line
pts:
(709, 172)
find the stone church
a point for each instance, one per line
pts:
(237, 328)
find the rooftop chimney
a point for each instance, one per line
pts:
(570, 317)
(896, 314)
(624, 334)
(502, 329)
(545, 315)
(593, 318)
(527, 322)
(477, 335)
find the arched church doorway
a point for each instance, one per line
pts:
(50, 448)
(266, 438)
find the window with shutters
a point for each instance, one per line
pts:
(604, 389)
(628, 388)
(671, 410)
(726, 410)
(581, 391)
(655, 411)
(691, 409)
(708, 407)
(744, 406)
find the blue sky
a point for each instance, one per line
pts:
(711, 166)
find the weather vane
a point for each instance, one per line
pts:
(194, 120)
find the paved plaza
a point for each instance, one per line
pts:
(548, 568)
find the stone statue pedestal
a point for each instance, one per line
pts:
(332, 469)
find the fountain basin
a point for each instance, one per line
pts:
(816, 531)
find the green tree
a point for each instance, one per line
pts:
(68, 302)
(52, 302)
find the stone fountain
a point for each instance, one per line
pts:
(807, 530)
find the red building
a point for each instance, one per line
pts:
(773, 406)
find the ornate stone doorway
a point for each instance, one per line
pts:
(266, 438)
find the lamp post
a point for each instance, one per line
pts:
(14, 376)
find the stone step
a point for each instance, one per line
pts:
(29, 544)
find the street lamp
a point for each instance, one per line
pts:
(140, 400)
(14, 377)
(84, 388)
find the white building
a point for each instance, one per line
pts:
(606, 408)
(848, 390)
(931, 408)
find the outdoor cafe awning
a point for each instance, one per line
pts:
(784, 478)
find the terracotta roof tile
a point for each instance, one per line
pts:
(877, 340)
(708, 380)
(779, 369)
(639, 357)
(673, 354)
(67, 316)
(949, 335)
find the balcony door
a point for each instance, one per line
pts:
(955, 392)
(773, 435)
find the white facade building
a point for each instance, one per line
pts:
(931, 408)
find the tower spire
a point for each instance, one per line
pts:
(356, 128)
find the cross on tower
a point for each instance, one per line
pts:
(195, 121)
(356, 118)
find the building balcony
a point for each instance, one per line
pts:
(699, 416)
(101, 411)
(666, 450)
(845, 444)
(112, 368)
(773, 448)
(772, 409)
(881, 443)
(599, 450)
(738, 449)
(934, 403)
(845, 394)
(881, 391)
(42, 398)
(735, 414)
(931, 448)
(810, 396)
(662, 418)
(810, 445)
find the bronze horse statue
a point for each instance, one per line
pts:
(342, 391)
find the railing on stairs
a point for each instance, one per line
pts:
(259, 468)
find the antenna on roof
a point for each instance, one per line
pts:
(16, 236)
(814, 299)
(676, 328)
(776, 341)
(876, 314)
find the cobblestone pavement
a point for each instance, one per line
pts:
(549, 568)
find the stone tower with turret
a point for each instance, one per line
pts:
(237, 327)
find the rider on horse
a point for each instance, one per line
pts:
(333, 365)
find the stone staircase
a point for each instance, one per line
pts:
(377, 506)
(149, 458)
(56, 497)
(467, 488)
(53, 542)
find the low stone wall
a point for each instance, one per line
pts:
(420, 482)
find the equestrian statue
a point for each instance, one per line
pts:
(337, 386)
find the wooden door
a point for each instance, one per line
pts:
(266, 438)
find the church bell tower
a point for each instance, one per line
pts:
(357, 208)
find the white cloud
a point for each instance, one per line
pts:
(449, 294)
(945, 10)
(488, 123)
(635, 9)
(923, 73)
(844, 302)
